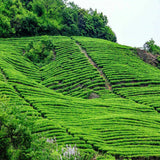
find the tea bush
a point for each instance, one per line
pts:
(108, 124)
(18, 143)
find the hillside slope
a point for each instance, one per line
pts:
(129, 76)
(71, 100)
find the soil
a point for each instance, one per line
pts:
(93, 95)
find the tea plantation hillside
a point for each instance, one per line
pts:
(129, 76)
(93, 93)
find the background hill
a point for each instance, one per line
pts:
(90, 92)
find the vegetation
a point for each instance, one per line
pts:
(41, 52)
(70, 73)
(150, 46)
(129, 76)
(51, 17)
(154, 51)
(17, 141)
(53, 101)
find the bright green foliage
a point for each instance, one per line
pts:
(152, 47)
(17, 142)
(118, 127)
(70, 73)
(130, 77)
(5, 27)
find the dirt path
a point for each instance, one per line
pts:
(107, 84)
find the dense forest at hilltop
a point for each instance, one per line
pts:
(51, 17)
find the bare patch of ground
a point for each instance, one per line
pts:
(93, 95)
(148, 57)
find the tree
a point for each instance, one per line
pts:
(38, 8)
(109, 34)
(5, 28)
(70, 20)
(94, 24)
(26, 2)
(51, 17)
(25, 25)
(52, 8)
(150, 46)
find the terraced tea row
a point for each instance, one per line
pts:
(71, 74)
(10, 89)
(80, 118)
(47, 128)
(109, 124)
(129, 76)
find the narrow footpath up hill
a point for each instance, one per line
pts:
(129, 76)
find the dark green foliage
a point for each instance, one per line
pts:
(26, 3)
(5, 27)
(52, 17)
(108, 34)
(88, 23)
(15, 138)
(48, 28)
(158, 59)
(38, 8)
(93, 24)
(41, 52)
(25, 25)
(70, 20)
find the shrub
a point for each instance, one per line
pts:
(41, 52)
(15, 138)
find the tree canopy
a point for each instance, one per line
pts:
(51, 17)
